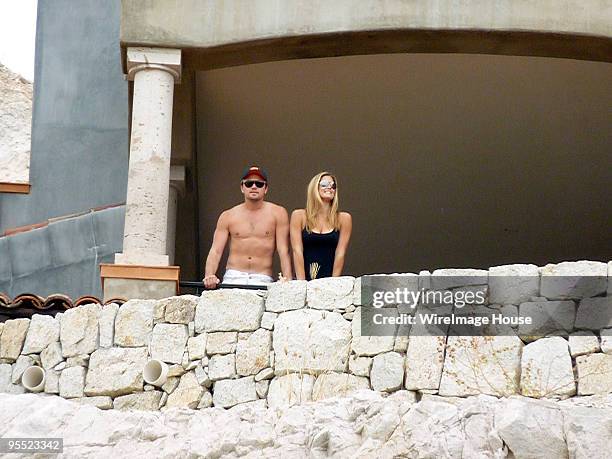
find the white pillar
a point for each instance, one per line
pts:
(154, 71)
(177, 188)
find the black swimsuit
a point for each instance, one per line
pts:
(319, 253)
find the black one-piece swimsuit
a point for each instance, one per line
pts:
(319, 252)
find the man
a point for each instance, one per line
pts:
(255, 228)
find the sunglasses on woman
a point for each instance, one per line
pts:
(250, 183)
(325, 184)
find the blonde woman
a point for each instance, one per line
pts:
(320, 233)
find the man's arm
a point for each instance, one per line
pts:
(282, 242)
(296, 244)
(216, 251)
(346, 227)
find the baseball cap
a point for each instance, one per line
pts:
(255, 170)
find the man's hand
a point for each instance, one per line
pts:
(211, 281)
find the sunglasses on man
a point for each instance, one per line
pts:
(250, 183)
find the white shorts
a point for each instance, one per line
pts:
(233, 276)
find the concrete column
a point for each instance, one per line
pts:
(154, 71)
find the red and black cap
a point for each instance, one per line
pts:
(255, 170)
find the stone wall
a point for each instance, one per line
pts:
(301, 341)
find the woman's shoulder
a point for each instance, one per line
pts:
(345, 216)
(298, 215)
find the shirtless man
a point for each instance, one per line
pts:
(255, 228)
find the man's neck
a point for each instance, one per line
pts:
(253, 205)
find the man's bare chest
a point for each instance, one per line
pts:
(264, 228)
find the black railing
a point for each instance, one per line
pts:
(199, 286)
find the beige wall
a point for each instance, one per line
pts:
(443, 160)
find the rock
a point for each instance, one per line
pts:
(134, 323)
(606, 341)
(330, 293)
(424, 361)
(583, 342)
(230, 392)
(594, 374)
(206, 401)
(594, 313)
(229, 310)
(289, 390)
(337, 385)
(286, 296)
(162, 400)
(180, 309)
(52, 382)
(170, 384)
(175, 370)
(513, 284)
(202, 376)
(159, 312)
(368, 345)
(5, 381)
(531, 428)
(267, 320)
(445, 279)
(77, 361)
(196, 346)
(401, 344)
(588, 432)
(548, 318)
(312, 341)
(222, 367)
(266, 373)
(115, 371)
(360, 366)
(168, 342)
(261, 387)
(140, 401)
(187, 394)
(387, 373)
(72, 382)
(79, 330)
(102, 402)
(107, 324)
(60, 366)
(573, 280)
(12, 338)
(43, 331)
(253, 352)
(191, 328)
(546, 369)
(23, 362)
(481, 365)
(221, 342)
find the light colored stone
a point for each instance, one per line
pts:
(140, 401)
(196, 346)
(5, 380)
(149, 387)
(286, 296)
(594, 374)
(168, 342)
(187, 394)
(546, 369)
(134, 323)
(360, 366)
(202, 376)
(12, 338)
(445, 279)
(79, 330)
(330, 293)
(180, 309)
(387, 373)
(400, 344)
(101, 402)
(253, 352)
(584, 342)
(513, 284)
(170, 384)
(206, 401)
(289, 390)
(115, 371)
(267, 320)
(266, 373)
(159, 312)
(229, 310)
(548, 318)
(221, 342)
(573, 280)
(107, 324)
(20, 365)
(52, 382)
(60, 366)
(77, 361)
(594, 313)
(162, 400)
(222, 367)
(230, 392)
(606, 341)
(72, 382)
(175, 370)
(588, 432)
(531, 428)
(261, 387)
(368, 345)
(337, 385)
(312, 341)
(43, 331)
(481, 365)
(424, 362)
(191, 328)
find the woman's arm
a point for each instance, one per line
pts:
(346, 227)
(295, 231)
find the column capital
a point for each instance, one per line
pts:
(154, 58)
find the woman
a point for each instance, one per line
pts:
(320, 233)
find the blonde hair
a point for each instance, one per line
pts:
(314, 203)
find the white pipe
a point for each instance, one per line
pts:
(33, 379)
(155, 372)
